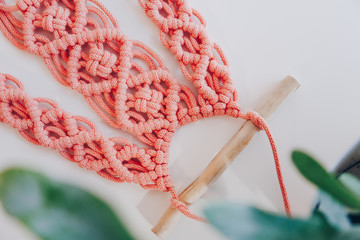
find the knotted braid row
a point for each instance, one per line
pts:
(42, 122)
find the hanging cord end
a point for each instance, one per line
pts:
(261, 123)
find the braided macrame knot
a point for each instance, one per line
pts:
(148, 101)
(55, 18)
(176, 203)
(24, 4)
(100, 62)
(183, 208)
(255, 118)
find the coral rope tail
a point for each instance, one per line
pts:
(258, 121)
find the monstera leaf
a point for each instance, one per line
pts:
(57, 211)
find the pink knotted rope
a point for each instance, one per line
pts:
(124, 81)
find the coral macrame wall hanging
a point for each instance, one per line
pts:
(125, 82)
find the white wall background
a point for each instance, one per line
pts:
(316, 41)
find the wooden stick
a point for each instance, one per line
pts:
(226, 155)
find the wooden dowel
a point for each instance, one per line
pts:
(226, 155)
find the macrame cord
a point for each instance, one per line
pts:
(124, 81)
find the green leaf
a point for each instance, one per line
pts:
(352, 234)
(316, 174)
(335, 213)
(241, 222)
(57, 211)
(352, 182)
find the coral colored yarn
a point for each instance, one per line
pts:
(124, 81)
